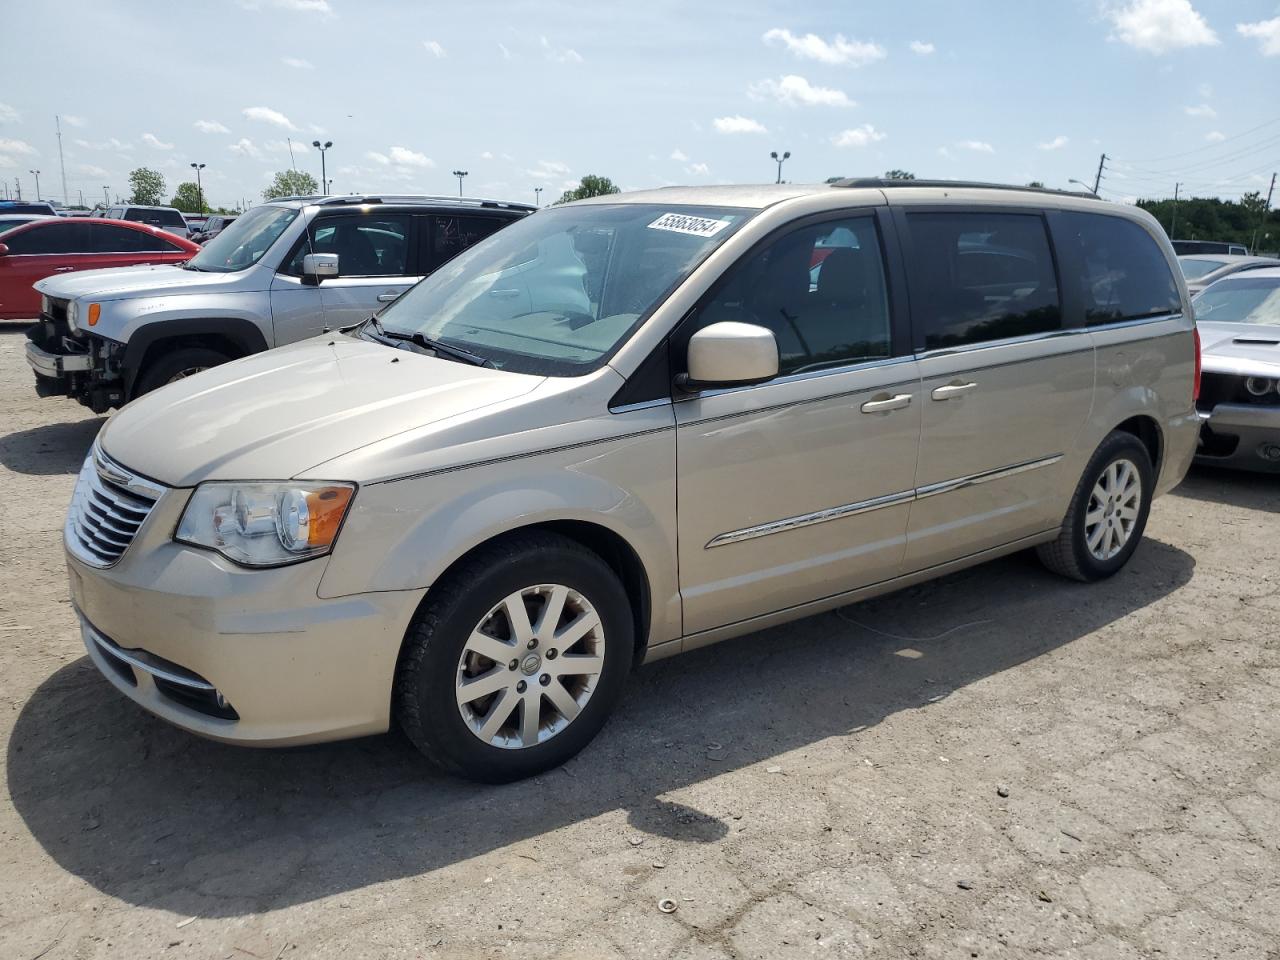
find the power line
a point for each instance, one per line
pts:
(1211, 146)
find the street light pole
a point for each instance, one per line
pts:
(1083, 184)
(459, 174)
(197, 167)
(780, 159)
(36, 174)
(324, 174)
(106, 196)
(537, 196)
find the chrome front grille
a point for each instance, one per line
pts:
(107, 509)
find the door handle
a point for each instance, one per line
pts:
(62, 269)
(884, 406)
(504, 294)
(387, 297)
(953, 390)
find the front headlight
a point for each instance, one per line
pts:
(265, 524)
(72, 314)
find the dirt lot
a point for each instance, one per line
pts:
(833, 788)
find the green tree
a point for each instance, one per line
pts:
(899, 175)
(147, 187)
(291, 183)
(590, 186)
(1039, 184)
(188, 199)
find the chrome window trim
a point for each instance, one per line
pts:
(806, 375)
(877, 503)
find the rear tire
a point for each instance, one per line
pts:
(1108, 512)
(546, 693)
(176, 365)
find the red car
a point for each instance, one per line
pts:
(44, 247)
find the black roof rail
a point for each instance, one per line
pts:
(881, 183)
(418, 198)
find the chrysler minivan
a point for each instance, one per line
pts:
(625, 428)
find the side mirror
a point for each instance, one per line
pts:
(729, 354)
(4, 250)
(319, 266)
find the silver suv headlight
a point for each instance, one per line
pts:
(265, 524)
(72, 314)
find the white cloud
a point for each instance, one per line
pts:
(89, 170)
(678, 155)
(699, 169)
(944, 152)
(306, 6)
(8, 114)
(282, 146)
(73, 121)
(111, 143)
(245, 148)
(737, 124)
(297, 63)
(549, 170)
(20, 147)
(434, 48)
(1057, 143)
(1266, 32)
(151, 140)
(487, 155)
(506, 54)
(977, 146)
(558, 54)
(1202, 110)
(316, 129)
(404, 157)
(1214, 136)
(838, 50)
(794, 91)
(922, 48)
(379, 158)
(858, 136)
(210, 126)
(1159, 26)
(267, 115)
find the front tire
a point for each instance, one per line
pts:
(1108, 512)
(177, 365)
(515, 661)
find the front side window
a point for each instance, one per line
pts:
(1241, 300)
(1125, 274)
(244, 242)
(366, 246)
(48, 238)
(979, 276)
(556, 293)
(820, 289)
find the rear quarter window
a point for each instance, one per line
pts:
(1122, 273)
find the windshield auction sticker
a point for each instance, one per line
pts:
(694, 226)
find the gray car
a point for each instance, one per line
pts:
(622, 429)
(1206, 268)
(1239, 323)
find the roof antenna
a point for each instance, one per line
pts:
(292, 162)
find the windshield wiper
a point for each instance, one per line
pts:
(435, 346)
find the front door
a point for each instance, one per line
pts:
(1005, 390)
(799, 489)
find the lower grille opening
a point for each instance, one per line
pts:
(207, 702)
(1216, 444)
(124, 671)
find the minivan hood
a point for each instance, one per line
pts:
(274, 415)
(115, 283)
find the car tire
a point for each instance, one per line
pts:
(176, 365)
(454, 640)
(1108, 513)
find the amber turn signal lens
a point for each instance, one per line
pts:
(326, 508)
(95, 310)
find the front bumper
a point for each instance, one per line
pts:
(56, 365)
(252, 657)
(1241, 436)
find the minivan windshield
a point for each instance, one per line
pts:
(1193, 268)
(243, 242)
(558, 292)
(1246, 300)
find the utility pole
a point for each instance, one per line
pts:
(1263, 219)
(197, 167)
(1097, 181)
(1173, 227)
(17, 184)
(537, 196)
(36, 174)
(66, 201)
(106, 196)
(81, 192)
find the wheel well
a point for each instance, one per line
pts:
(1148, 431)
(207, 341)
(609, 547)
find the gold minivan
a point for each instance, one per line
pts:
(621, 429)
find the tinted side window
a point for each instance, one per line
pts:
(1123, 273)
(450, 235)
(981, 276)
(52, 237)
(366, 246)
(106, 238)
(820, 289)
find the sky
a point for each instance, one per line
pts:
(537, 93)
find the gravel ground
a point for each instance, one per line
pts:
(998, 764)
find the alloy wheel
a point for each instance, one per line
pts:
(1114, 505)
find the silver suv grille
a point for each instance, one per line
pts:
(107, 509)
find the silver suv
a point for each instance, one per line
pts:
(282, 272)
(622, 429)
